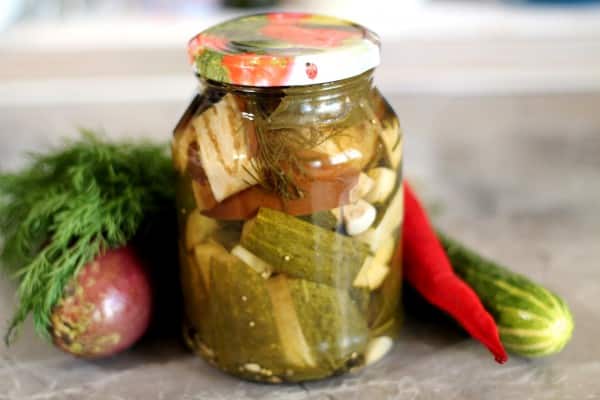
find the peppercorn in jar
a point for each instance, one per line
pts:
(290, 199)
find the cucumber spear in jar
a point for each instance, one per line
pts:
(303, 250)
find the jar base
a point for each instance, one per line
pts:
(375, 351)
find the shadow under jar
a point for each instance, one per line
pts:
(290, 200)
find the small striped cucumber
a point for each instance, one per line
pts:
(532, 321)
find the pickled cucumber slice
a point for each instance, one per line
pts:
(383, 306)
(296, 350)
(193, 288)
(203, 255)
(245, 336)
(303, 250)
(371, 275)
(332, 325)
(198, 229)
(386, 249)
(320, 327)
(376, 268)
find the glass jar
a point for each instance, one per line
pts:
(290, 200)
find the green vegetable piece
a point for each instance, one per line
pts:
(371, 275)
(384, 303)
(196, 281)
(532, 321)
(193, 286)
(320, 327)
(244, 333)
(296, 351)
(303, 250)
(198, 229)
(332, 324)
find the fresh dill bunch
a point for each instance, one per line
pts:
(67, 206)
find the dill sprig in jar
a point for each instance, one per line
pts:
(288, 164)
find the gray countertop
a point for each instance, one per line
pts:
(517, 177)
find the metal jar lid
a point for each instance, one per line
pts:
(283, 49)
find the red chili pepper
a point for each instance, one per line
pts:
(427, 268)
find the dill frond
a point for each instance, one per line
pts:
(279, 161)
(69, 205)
